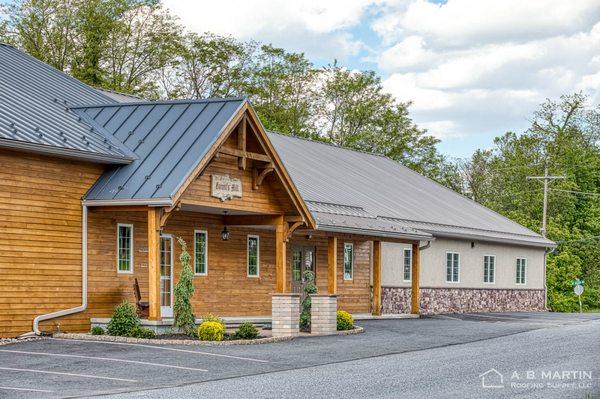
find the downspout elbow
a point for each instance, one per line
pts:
(83, 306)
(424, 247)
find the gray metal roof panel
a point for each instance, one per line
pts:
(35, 113)
(355, 219)
(169, 138)
(328, 174)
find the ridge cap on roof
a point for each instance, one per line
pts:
(375, 154)
(101, 89)
(160, 102)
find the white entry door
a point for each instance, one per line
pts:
(166, 276)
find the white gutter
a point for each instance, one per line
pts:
(129, 202)
(83, 305)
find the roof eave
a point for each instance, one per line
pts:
(64, 152)
(374, 233)
(477, 237)
(129, 202)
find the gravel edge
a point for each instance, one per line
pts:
(269, 340)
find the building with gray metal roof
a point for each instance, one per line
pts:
(382, 188)
(169, 138)
(35, 113)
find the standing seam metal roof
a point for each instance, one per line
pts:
(170, 138)
(324, 173)
(35, 113)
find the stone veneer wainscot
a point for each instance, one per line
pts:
(458, 300)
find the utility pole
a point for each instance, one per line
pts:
(546, 180)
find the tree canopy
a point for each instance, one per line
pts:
(565, 135)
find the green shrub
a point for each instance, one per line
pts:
(211, 331)
(97, 330)
(212, 317)
(141, 332)
(124, 320)
(182, 309)
(246, 331)
(309, 288)
(344, 320)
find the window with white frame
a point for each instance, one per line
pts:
(521, 269)
(124, 248)
(407, 264)
(489, 269)
(452, 267)
(200, 252)
(253, 256)
(348, 260)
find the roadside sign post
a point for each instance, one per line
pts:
(578, 289)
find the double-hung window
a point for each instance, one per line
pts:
(124, 248)
(489, 269)
(253, 256)
(200, 252)
(407, 264)
(521, 269)
(452, 267)
(348, 260)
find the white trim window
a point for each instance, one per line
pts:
(521, 271)
(489, 269)
(348, 261)
(253, 267)
(124, 248)
(452, 267)
(407, 264)
(200, 252)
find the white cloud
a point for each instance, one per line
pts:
(468, 22)
(483, 65)
(318, 28)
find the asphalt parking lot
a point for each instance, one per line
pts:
(50, 368)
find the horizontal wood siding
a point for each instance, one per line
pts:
(354, 295)
(270, 197)
(40, 249)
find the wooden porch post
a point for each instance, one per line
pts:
(280, 261)
(332, 266)
(154, 263)
(416, 261)
(377, 278)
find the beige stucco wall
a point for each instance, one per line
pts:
(433, 265)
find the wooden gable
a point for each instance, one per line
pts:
(245, 153)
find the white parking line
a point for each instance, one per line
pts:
(109, 359)
(166, 349)
(26, 389)
(69, 374)
(500, 318)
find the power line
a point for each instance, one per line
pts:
(546, 178)
(579, 240)
(574, 192)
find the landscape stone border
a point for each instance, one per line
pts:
(10, 341)
(190, 342)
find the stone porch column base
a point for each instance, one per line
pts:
(323, 314)
(285, 309)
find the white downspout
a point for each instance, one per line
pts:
(83, 305)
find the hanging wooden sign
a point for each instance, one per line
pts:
(224, 187)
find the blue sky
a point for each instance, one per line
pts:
(473, 69)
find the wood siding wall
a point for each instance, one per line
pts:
(270, 197)
(40, 248)
(226, 290)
